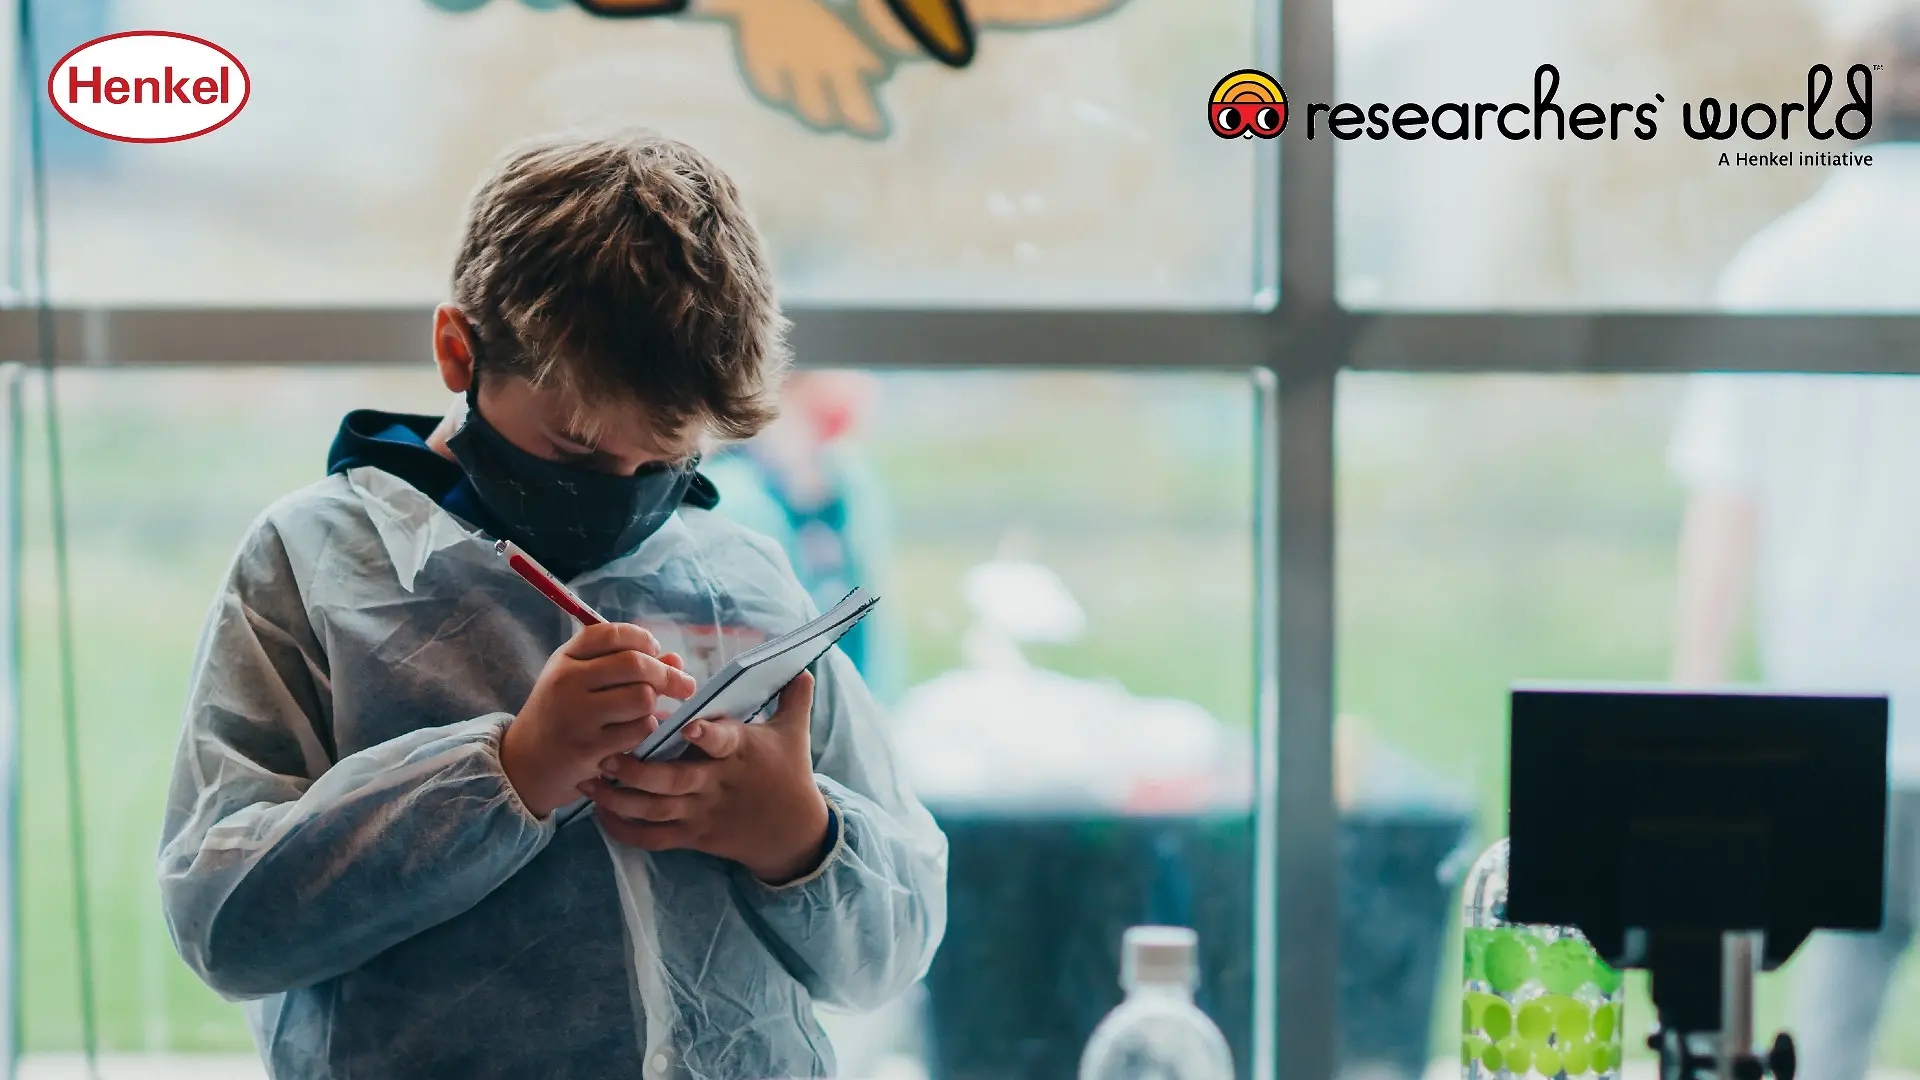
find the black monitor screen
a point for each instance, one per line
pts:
(1686, 813)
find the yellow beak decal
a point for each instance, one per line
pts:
(940, 26)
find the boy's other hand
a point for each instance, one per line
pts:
(751, 799)
(596, 696)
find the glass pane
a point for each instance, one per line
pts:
(12, 471)
(1035, 537)
(878, 175)
(1657, 223)
(1496, 529)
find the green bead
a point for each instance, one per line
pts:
(1471, 1048)
(1473, 1007)
(1566, 965)
(1571, 1020)
(1546, 1060)
(1536, 1021)
(1475, 960)
(1497, 1019)
(1603, 1021)
(1509, 962)
(1490, 1057)
(1515, 1053)
(1605, 978)
(1576, 1057)
(1603, 1061)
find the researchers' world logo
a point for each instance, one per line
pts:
(149, 86)
(1247, 103)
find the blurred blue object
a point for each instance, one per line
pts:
(803, 483)
(834, 542)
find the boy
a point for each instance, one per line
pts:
(379, 832)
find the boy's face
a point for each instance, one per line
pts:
(543, 421)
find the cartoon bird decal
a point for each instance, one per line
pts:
(822, 62)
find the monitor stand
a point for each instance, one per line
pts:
(1727, 1054)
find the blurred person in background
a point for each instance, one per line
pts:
(804, 482)
(1805, 491)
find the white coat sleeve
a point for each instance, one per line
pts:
(864, 926)
(1713, 448)
(281, 867)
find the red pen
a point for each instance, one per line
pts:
(537, 576)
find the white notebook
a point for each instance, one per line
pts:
(749, 686)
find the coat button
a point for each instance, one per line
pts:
(659, 1064)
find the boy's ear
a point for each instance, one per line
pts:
(453, 348)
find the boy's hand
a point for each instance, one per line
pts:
(595, 697)
(752, 799)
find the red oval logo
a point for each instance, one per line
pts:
(149, 86)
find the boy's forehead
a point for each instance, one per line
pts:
(622, 428)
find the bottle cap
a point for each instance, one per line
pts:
(1159, 956)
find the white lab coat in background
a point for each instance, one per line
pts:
(1832, 461)
(1833, 464)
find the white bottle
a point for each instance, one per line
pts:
(1157, 1033)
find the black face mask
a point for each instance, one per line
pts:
(570, 519)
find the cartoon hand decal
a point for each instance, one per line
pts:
(799, 56)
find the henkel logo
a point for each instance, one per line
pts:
(148, 86)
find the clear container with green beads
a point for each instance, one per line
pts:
(1538, 1001)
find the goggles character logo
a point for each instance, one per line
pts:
(1247, 103)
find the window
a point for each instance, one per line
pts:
(1503, 528)
(881, 178)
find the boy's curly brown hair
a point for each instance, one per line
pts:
(623, 269)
